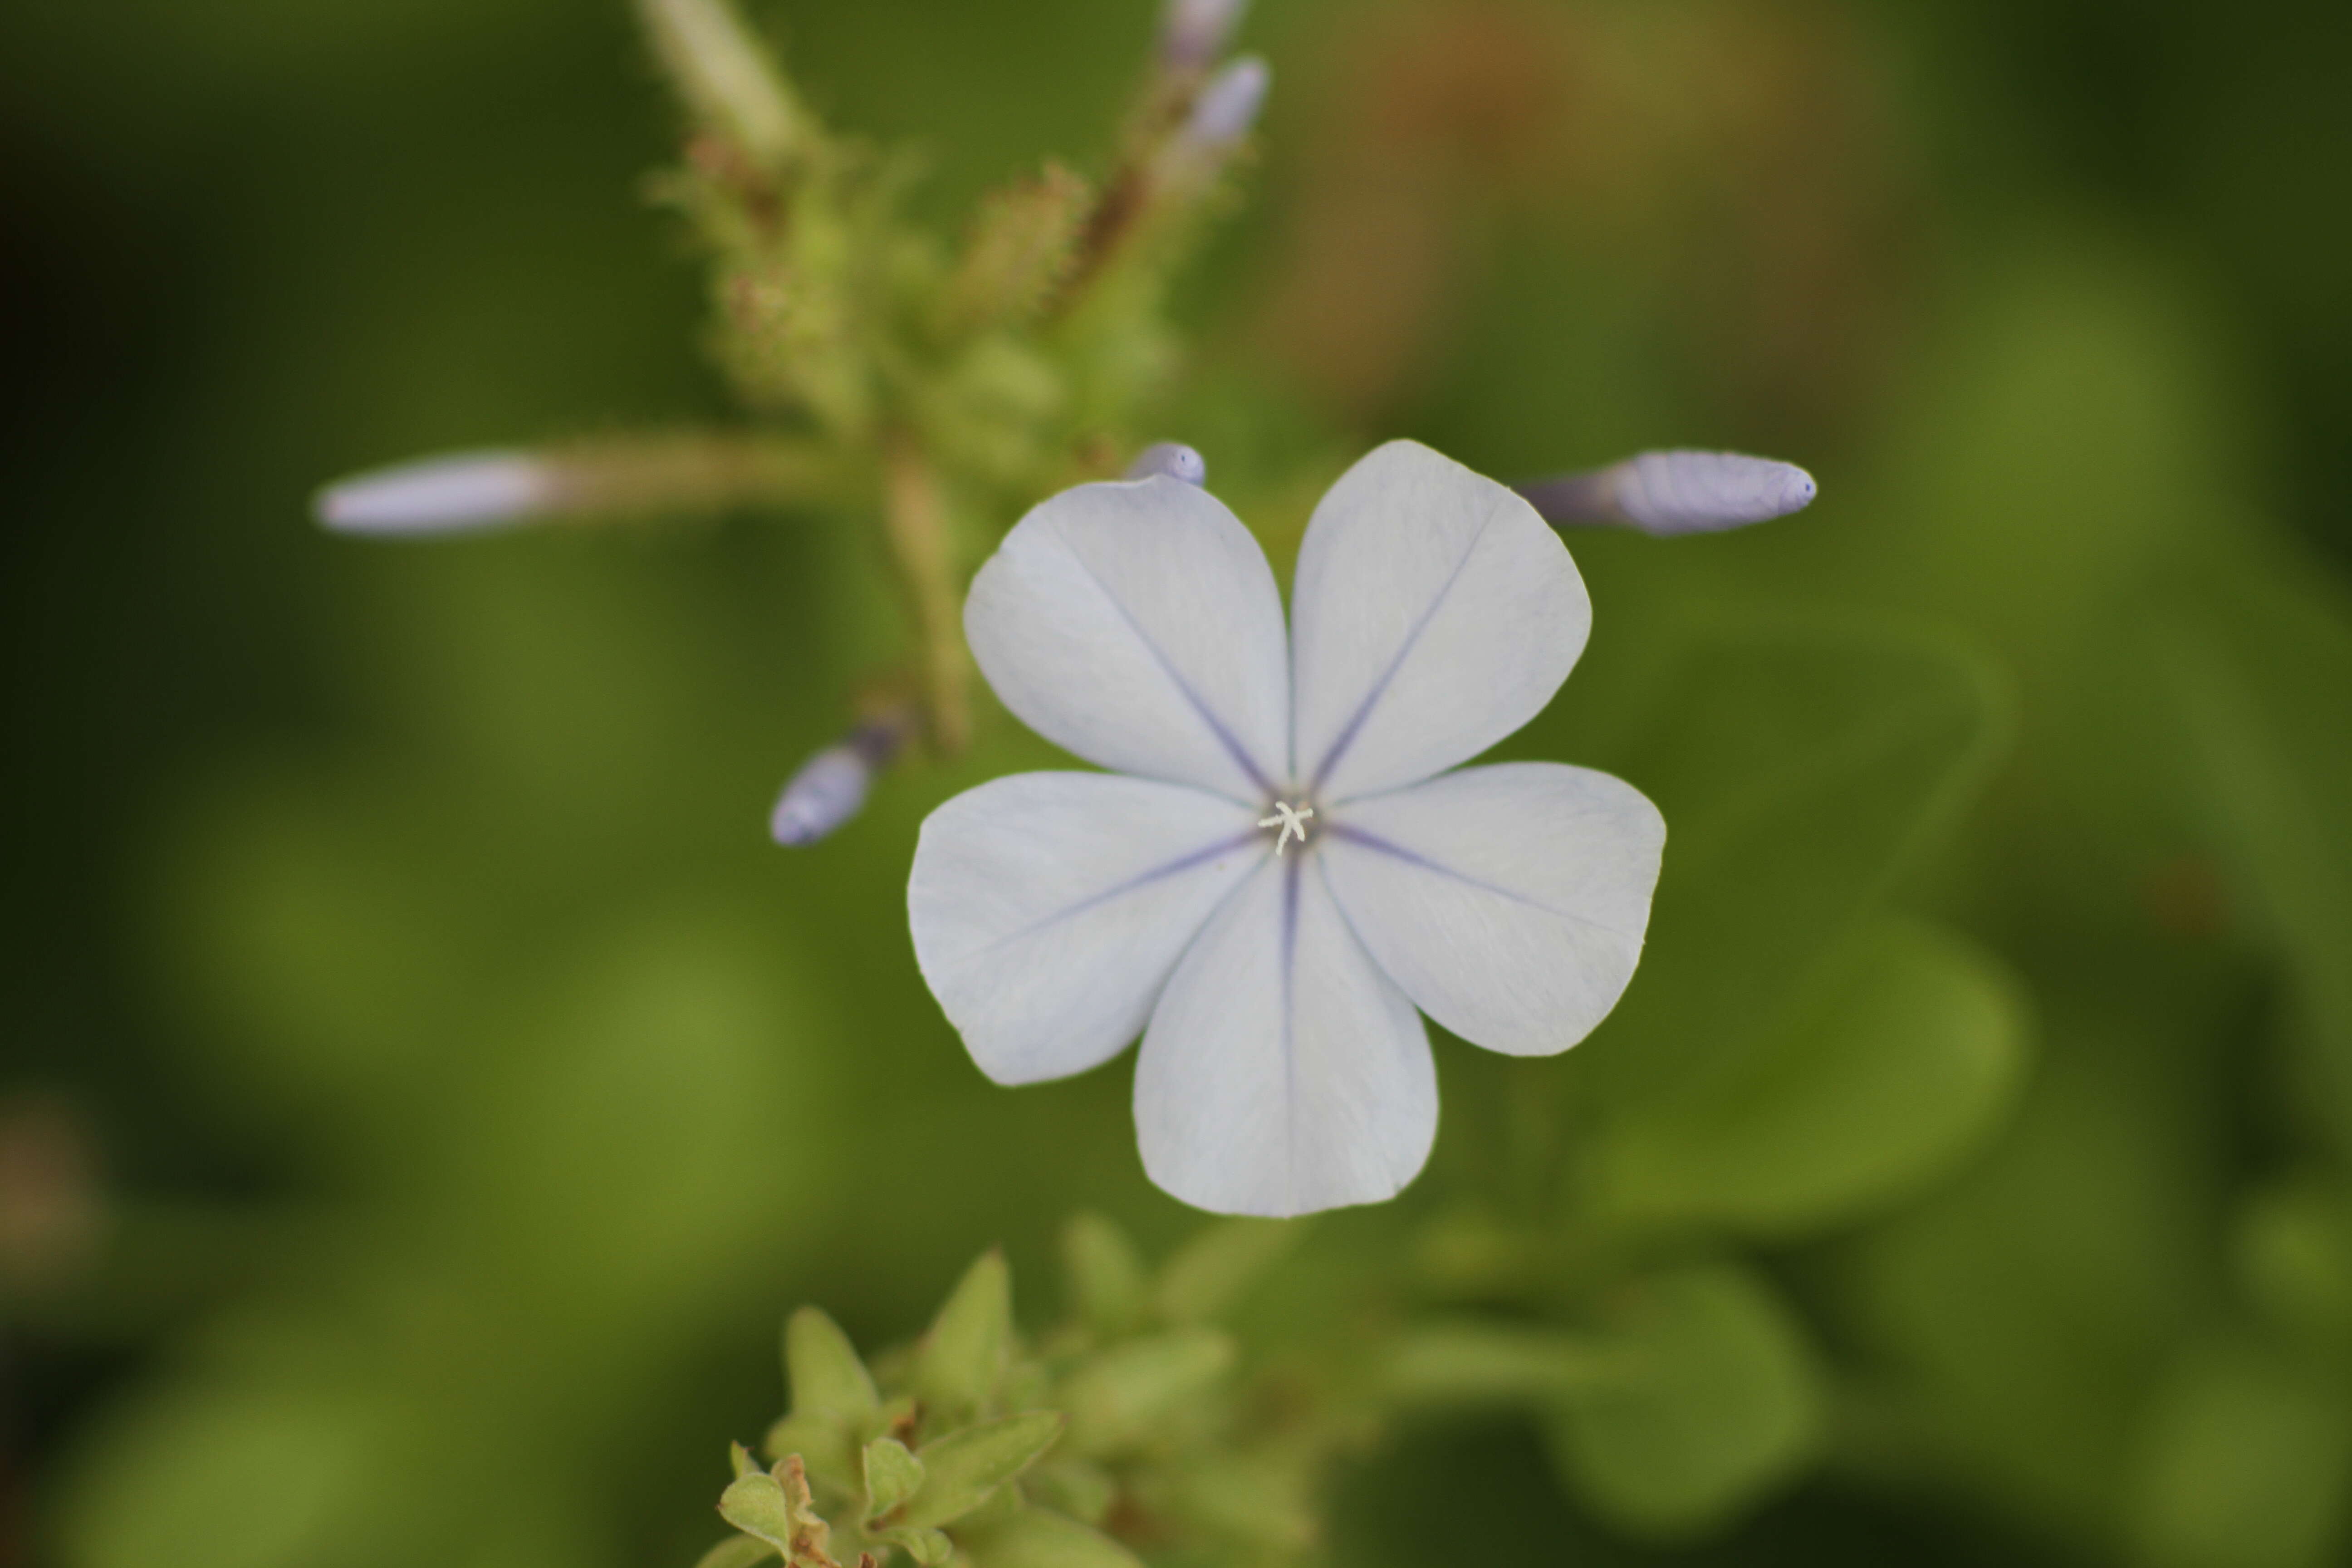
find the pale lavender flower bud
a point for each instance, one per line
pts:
(1171, 458)
(831, 786)
(1194, 32)
(1670, 493)
(1229, 105)
(460, 492)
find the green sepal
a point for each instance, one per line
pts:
(892, 1476)
(962, 1469)
(827, 1378)
(1119, 1398)
(1109, 1285)
(1208, 1275)
(960, 1360)
(745, 1465)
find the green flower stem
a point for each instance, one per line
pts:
(695, 472)
(1467, 1362)
(915, 523)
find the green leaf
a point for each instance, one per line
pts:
(829, 1451)
(1902, 1056)
(737, 1551)
(755, 1504)
(1712, 1403)
(962, 1469)
(1035, 1538)
(1117, 1398)
(892, 1476)
(740, 1459)
(1799, 769)
(961, 1359)
(1107, 1282)
(827, 1379)
(1469, 1363)
(1206, 1277)
(2261, 665)
(2247, 1465)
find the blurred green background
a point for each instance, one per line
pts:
(422, 1086)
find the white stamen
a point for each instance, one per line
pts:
(1291, 820)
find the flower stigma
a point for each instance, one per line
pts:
(1291, 819)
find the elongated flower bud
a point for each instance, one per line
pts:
(1228, 106)
(460, 493)
(1194, 33)
(724, 74)
(1677, 492)
(1171, 458)
(472, 492)
(831, 787)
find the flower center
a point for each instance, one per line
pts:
(1291, 820)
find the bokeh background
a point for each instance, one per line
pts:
(422, 1086)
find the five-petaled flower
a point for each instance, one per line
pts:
(1057, 915)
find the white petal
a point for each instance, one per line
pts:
(1048, 908)
(1508, 901)
(1435, 613)
(1283, 1072)
(1137, 626)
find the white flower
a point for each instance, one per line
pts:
(1057, 915)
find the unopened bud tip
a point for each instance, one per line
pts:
(1172, 459)
(461, 492)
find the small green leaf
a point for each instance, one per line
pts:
(1117, 1399)
(1712, 1402)
(964, 1468)
(961, 1359)
(1208, 1274)
(1035, 1538)
(1901, 1056)
(745, 1465)
(1107, 1283)
(737, 1551)
(827, 1379)
(755, 1504)
(928, 1547)
(892, 1476)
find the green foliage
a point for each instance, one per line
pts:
(996, 1454)
(1709, 1400)
(467, 1085)
(1901, 1055)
